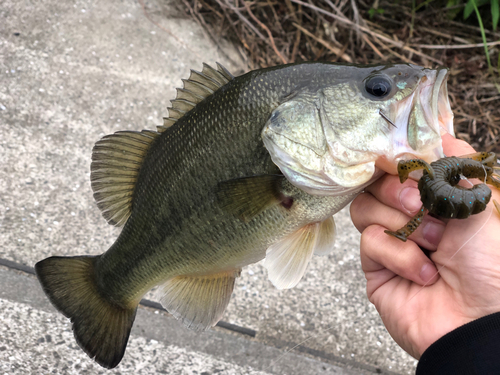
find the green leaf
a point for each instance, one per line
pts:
(469, 8)
(373, 11)
(483, 35)
(452, 13)
(495, 13)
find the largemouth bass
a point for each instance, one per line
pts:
(245, 168)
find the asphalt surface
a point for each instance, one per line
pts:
(72, 72)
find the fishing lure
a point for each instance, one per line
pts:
(439, 190)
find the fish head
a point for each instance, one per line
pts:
(347, 132)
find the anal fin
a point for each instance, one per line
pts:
(198, 301)
(286, 261)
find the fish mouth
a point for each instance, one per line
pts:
(423, 118)
(439, 111)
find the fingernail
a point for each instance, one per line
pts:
(433, 232)
(410, 199)
(427, 272)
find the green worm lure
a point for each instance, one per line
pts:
(439, 190)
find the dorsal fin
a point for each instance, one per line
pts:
(116, 160)
(197, 87)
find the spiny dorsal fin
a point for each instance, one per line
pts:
(197, 87)
(116, 160)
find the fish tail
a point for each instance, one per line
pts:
(101, 327)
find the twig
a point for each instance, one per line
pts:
(276, 18)
(271, 39)
(298, 35)
(475, 28)
(368, 31)
(203, 25)
(211, 8)
(456, 46)
(335, 50)
(388, 49)
(243, 18)
(375, 49)
(489, 99)
(444, 35)
(296, 45)
(208, 30)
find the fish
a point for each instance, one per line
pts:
(244, 168)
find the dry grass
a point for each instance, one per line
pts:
(271, 32)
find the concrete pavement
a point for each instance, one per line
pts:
(37, 339)
(73, 72)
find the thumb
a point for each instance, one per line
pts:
(455, 147)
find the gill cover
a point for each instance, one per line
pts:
(295, 138)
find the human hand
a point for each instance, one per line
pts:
(418, 304)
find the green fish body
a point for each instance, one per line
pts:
(244, 169)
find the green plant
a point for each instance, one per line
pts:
(373, 11)
(473, 5)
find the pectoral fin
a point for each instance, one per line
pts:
(286, 261)
(198, 301)
(249, 196)
(326, 238)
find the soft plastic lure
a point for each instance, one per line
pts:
(439, 190)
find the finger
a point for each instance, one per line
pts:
(455, 147)
(380, 253)
(366, 210)
(404, 197)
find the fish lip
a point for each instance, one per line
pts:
(437, 110)
(428, 97)
(432, 95)
(440, 104)
(445, 114)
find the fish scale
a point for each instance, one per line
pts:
(169, 162)
(244, 168)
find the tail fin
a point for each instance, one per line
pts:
(101, 328)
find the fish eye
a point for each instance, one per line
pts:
(378, 86)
